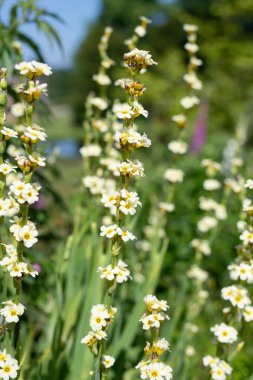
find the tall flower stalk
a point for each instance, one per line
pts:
(16, 199)
(96, 104)
(155, 314)
(179, 147)
(231, 333)
(120, 203)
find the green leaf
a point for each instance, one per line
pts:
(50, 32)
(31, 43)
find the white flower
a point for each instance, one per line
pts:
(201, 246)
(219, 368)
(174, 175)
(224, 333)
(168, 207)
(35, 134)
(33, 68)
(27, 233)
(9, 368)
(195, 62)
(140, 31)
(207, 223)
(18, 109)
(210, 361)
(153, 304)
(98, 185)
(192, 80)
(233, 185)
(247, 237)
(218, 373)
(190, 351)
(109, 231)
(121, 272)
(220, 212)
(238, 296)
(123, 110)
(129, 204)
(125, 234)
(25, 192)
(178, 147)
(191, 47)
(189, 101)
(139, 58)
(139, 110)
(131, 168)
(12, 311)
(108, 361)
(179, 119)
(190, 28)
(25, 68)
(243, 271)
(211, 184)
(133, 138)
(91, 150)
(107, 272)
(207, 204)
(211, 167)
(36, 159)
(159, 371)
(249, 184)
(98, 319)
(8, 207)
(197, 273)
(102, 79)
(100, 103)
(8, 132)
(151, 321)
(248, 313)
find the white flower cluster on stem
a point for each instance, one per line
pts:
(17, 193)
(230, 335)
(152, 367)
(99, 127)
(178, 147)
(120, 202)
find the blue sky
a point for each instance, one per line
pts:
(78, 14)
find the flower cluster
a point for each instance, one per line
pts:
(139, 32)
(178, 147)
(132, 139)
(8, 366)
(153, 367)
(12, 311)
(18, 193)
(99, 129)
(100, 320)
(17, 268)
(32, 90)
(219, 369)
(240, 310)
(123, 201)
(119, 272)
(213, 210)
(190, 78)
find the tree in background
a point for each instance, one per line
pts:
(226, 31)
(12, 37)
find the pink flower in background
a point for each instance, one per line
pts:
(199, 135)
(37, 267)
(41, 203)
